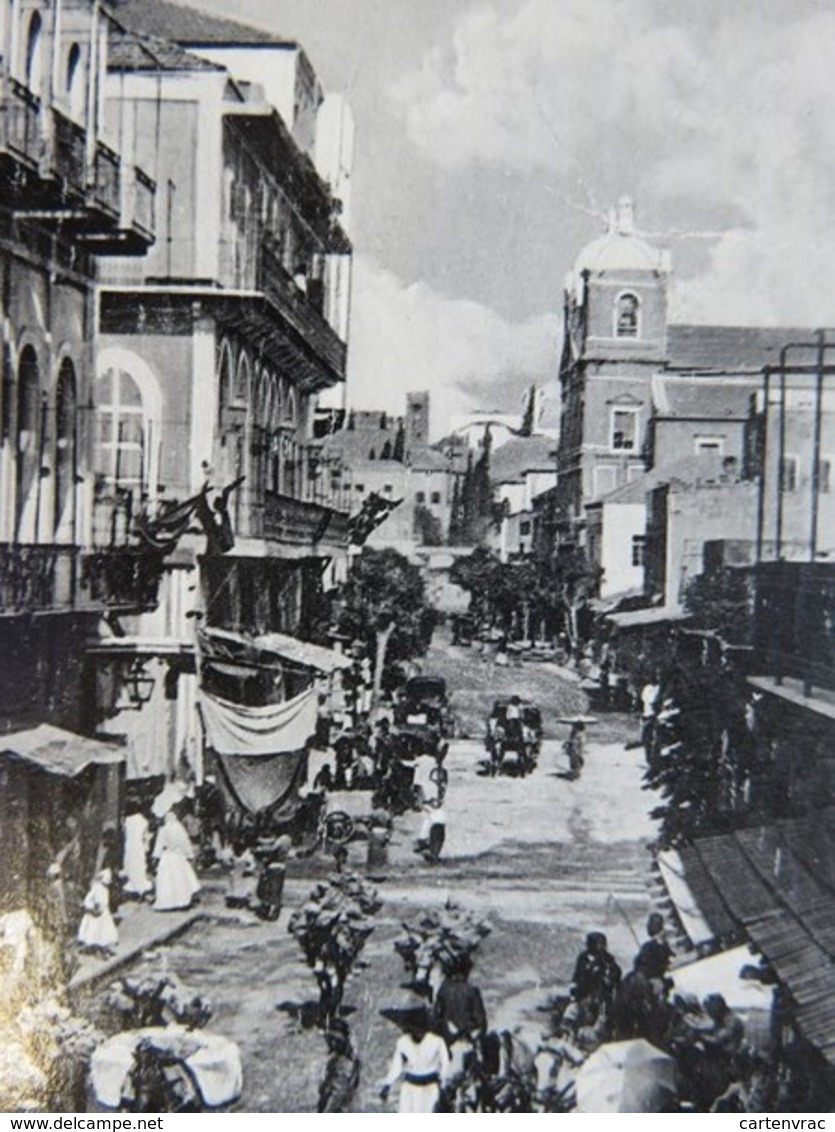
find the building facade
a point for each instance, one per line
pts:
(72, 194)
(211, 353)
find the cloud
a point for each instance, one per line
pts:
(717, 116)
(410, 337)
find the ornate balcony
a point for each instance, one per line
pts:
(37, 578)
(294, 522)
(122, 578)
(68, 157)
(22, 142)
(46, 168)
(299, 310)
(125, 194)
(106, 186)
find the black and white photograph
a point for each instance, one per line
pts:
(417, 557)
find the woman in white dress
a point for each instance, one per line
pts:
(421, 1063)
(137, 881)
(176, 881)
(97, 930)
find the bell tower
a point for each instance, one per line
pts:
(615, 323)
(417, 421)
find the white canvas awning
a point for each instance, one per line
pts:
(58, 751)
(672, 873)
(721, 973)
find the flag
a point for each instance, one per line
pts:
(373, 512)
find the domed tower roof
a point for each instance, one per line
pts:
(620, 249)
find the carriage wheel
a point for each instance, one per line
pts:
(339, 827)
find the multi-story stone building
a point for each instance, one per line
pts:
(71, 194)
(211, 353)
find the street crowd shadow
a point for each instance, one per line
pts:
(307, 1014)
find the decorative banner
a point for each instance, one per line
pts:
(266, 782)
(271, 729)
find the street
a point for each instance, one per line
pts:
(544, 859)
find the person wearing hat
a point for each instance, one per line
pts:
(420, 1063)
(459, 1014)
(655, 954)
(596, 973)
(342, 1071)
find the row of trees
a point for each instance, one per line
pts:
(545, 595)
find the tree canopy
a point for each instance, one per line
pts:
(384, 605)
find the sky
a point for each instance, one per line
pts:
(493, 136)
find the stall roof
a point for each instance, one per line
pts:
(777, 882)
(637, 617)
(302, 652)
(60, 752)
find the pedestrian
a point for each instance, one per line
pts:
(97, 931)
(342, 1071)
(270, 887)
(459, 1015)
(420, 1062)
(176, 881)
(596, 973)
(655, 954)
(432, 833)
(138, 883)
(640, 1010)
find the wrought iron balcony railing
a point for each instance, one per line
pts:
(300, 310)
(295, 522)
(20, 122)
(107, 180)
(37, 578)
(69, 154)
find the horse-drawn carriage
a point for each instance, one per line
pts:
(514, 736)
(422, 716)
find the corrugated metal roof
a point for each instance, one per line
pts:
(710, 903)
(776, 882)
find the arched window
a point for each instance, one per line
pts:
(34, 54)
(27, 463)
(65, 447)
(122, 439)
(627, 315)
(74, 86)
(290, 408)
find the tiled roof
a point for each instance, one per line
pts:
(356, 445)
(428, 460)
(777, 882)
(731, 349)
(187, 25)
(522, 454)
(131, 51)
(704, 398)
(705, 467)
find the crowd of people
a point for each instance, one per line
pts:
(706, 1039)
(154, 864)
